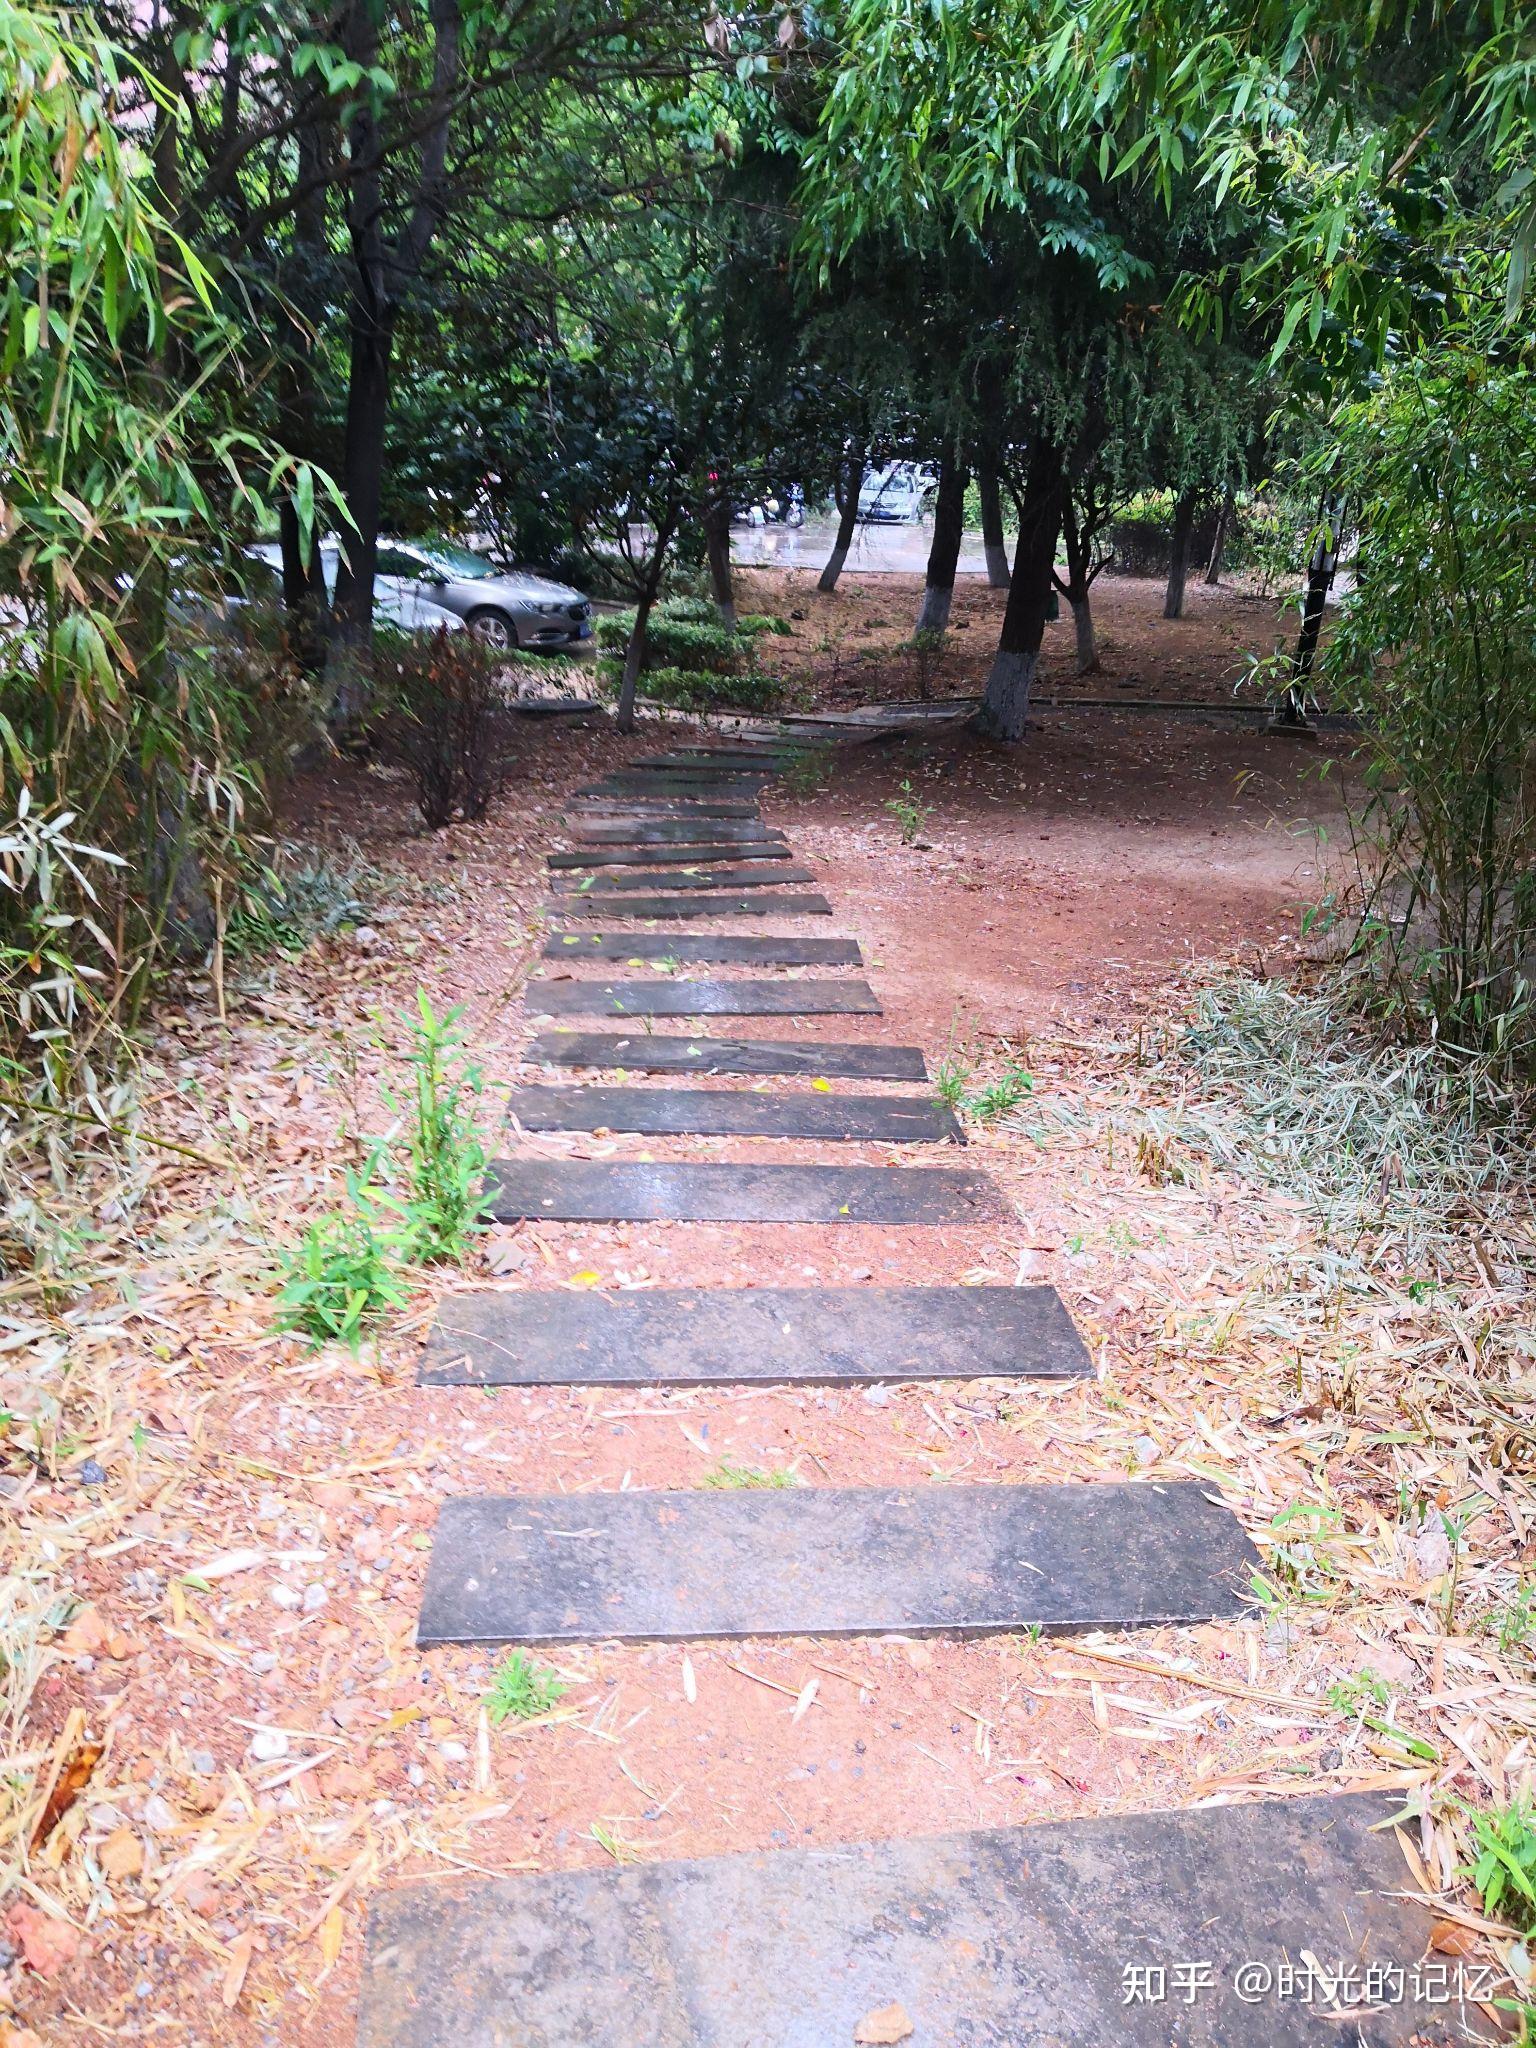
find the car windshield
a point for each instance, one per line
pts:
(452, 561)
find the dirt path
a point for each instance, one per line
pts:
(1050, 897)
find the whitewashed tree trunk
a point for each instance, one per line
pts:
(1087, 639)
(1004, 708)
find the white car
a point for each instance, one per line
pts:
(893, 496)
(399, 605)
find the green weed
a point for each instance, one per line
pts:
(910, 813)
(728, 1474)
(1505, 1871)
(522, 1690)
(445, 1198)
(345, 1274)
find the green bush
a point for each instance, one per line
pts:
(686, 633)
(763, 622)
(700, 690)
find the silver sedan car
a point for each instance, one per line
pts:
(508, 607)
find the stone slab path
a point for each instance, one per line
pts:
(670, 831)
(650, 1054)
(1000, 1938)
(662, 1566)
(683, 997)
(722, 1113)
(691, 877)
(668, 907)
(690, 1337)
(726, 948)
(653, 856)
(1045, 1936)
(646, 1191)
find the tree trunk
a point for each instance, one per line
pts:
(1005, 704)
(362, 466)
(1178, 566)
(1078, 588)
(847, 520)
(992, 540)
(1224, 519)
(948, 527)
(717, 549)
(634, 655)
(1320, 568)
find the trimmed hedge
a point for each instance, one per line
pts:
(685, 633)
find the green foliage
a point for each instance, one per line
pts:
(418, 1201)
(1505, 1870)
(1436, 650)
(752, 623)
(443, 1177)
(130, 735)
(990, 1102)
(345, 1275)
(678, 643)
(522, 1690)
(283, 906)
(686, 690)
(728, 1476)
(910, 813)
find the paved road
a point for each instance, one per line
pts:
(901, 549)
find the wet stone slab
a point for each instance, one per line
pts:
(657, 856)
(1000, 1938)
(643, 1191)
(688, 1337)
(779, 875)
(684, 998)
(645, 1053)
(682, 832)
(686, 1566)
(607, 904)
(724, 948)
(721, 1113)
(645, 808)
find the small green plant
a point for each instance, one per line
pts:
(1515, 1622)
(1348, 1695)
(998, 1097)
(345, 1273)
(1505, 1870)
(807, 773)
(727, 1474)
(910, 813)
(522, 1690)
(445, 1198)
(949, 1082)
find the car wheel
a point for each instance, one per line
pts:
(496, 629)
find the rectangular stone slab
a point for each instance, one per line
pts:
(730, 1336)
(605, 904)
(774, 877)
(687, 1566)
(643, 810)
(683, 998)
(660, 856)
(730, 759)
(645, 1053)
(718, 1113)
(999, 1938)
(660, 782)
(729, 948)
(681, 832)
(642, 1191)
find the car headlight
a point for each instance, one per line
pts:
(552, 611)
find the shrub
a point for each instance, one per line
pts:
(698, 690)
(447, 721)
(671, 642)
(1436, 649)
(763, 622)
